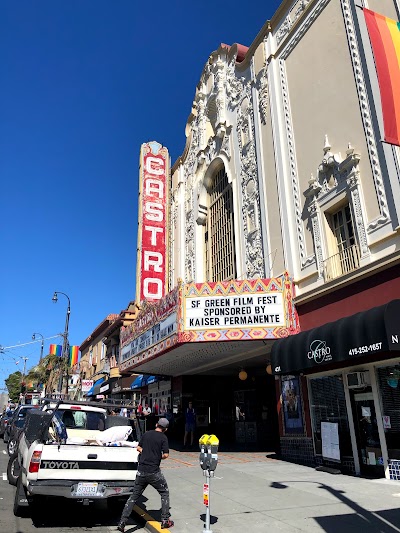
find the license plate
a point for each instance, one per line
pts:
(86, 489)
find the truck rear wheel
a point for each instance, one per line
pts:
(21, 504)
(13, 469)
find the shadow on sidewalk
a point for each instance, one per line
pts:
(387, 521)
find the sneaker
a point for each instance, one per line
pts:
(121, 527)
(165, 524)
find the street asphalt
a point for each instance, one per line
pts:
(254, 493)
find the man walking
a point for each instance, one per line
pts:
(153, 447)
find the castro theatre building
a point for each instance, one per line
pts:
(203, 330)
(282, 213)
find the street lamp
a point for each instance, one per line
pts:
(42, 346)
(65, 350)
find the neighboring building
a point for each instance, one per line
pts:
(94, 364)
(119, 386)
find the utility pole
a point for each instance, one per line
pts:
(65, 349)
(42, 345)
(23, 376)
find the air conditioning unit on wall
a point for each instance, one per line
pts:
(358, 380)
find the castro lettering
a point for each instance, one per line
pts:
(152, 230)
(60, 465)
(319, 351)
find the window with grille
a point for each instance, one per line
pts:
(220, 259)
(345, 253)
(328, 404)
(343, 228)
(388, 379)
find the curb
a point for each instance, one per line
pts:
(153, 526)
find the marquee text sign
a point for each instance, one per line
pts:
(152, 233)
(255, 310)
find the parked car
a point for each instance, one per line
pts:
(15, 426)
(4, 421)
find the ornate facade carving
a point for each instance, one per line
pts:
(294, 180)
(335, 175)
(314, 212)
(366, 117)
(263, 96)
(295, 13)
(228, 91)
(252, 227)
(304, 27)
(189, 168)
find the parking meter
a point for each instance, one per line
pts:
(208, 462)
(203, 451)
(212, 455)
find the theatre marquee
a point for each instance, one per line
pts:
(198, 313)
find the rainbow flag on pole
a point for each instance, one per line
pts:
(73, 355)
(384, 34)
(56, 349)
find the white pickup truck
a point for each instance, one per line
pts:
(74, 450)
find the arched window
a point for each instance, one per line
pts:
(220, 257)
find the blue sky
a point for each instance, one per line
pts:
(83, 85)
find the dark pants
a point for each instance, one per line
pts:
(156, 480)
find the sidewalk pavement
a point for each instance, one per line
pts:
(254, 493)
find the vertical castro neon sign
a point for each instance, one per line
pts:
(152, 231)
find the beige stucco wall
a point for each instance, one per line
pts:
(384, 7)
(323, 99)
(259, 59)
(273, 212)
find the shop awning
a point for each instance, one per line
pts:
(152, 379)
(96, 388)
(105, 387)
(367, 333)
(142, 381)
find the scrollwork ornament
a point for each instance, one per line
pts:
(263, 96)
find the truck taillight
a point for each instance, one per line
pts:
(34, 465)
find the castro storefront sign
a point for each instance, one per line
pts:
(372, 333)
(152, 234)
(319, 352)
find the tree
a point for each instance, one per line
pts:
(13, 384)
(47, 371)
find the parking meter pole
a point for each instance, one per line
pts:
(208, 511)
(208, 463)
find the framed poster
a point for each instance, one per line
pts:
(292, 408)
(330, 441)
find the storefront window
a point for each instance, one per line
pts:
(328, 404)
(389, 378)
(292, 408)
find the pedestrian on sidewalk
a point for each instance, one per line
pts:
(153, 447)
(147, 410)
(190, 424)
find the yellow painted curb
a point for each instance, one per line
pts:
(152, 525)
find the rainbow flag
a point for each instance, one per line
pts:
(56, 349)
(384, 34)
(73, 355)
